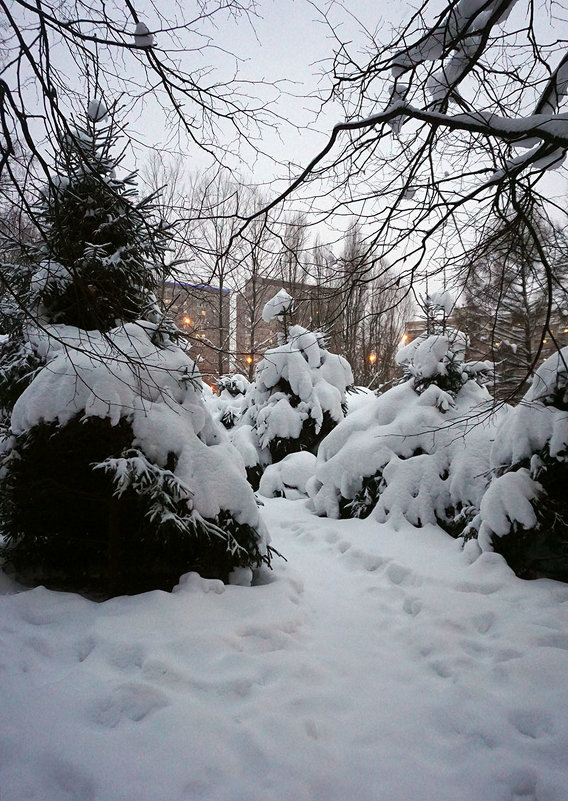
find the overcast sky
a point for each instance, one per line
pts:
(289, 42)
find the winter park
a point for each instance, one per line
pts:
(283, 400)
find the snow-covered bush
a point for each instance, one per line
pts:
(227, 407)
(244, 438)
(298, 395)
(419, 452)
(524, 513)
(288, 478)
(114, 477)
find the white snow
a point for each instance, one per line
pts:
(534, 430)
(317, 377)
(358, 397)
(124, 375)
(373, 665)
(467, 16)
(97, 110)
(433, 451)
(508, 501)
(280, 303)
(288, 478)
(442, 299)
(142, 35)
(534, 424)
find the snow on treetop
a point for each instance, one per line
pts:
(280, 303)
(443, 300)
(428, 355)
(550, 377)
(98, 375)
(97, 110)
(468, 16)
(508, 501)
(142, 35)
(425, 451)
(316, 377)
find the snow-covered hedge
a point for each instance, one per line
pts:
(227, 407)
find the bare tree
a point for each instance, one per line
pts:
(259, 267)
(504, 302)
(369, 311)
(56, 58)
(453, 122)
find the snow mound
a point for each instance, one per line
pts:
(288, 478)
(420, 452)
(97, 110)
(407, 457)
(524, 513)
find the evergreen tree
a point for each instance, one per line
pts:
(419, 452)
(114, 477)
(524, 513)
(298, 395)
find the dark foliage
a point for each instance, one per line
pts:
(103, 236)
(308, 440)
(66, 527)
(365, 500)
(541, 552)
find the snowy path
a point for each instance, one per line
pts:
(375, 665)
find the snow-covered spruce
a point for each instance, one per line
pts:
(524, 513)
(298, 396)
(227, 407)
(115, 479)
(419, 452)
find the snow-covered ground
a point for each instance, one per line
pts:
(375, 665)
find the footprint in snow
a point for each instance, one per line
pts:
(483, 623)
(524, 785)
(533, 723)
(127, 702)
(126, 657)
(158, 672)
(554, 641)
(67, 781)
(441, 669)
(260, 640)
(402, 576)
(412, 606)
(83, 648)
(41, 646)
(480, 589)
